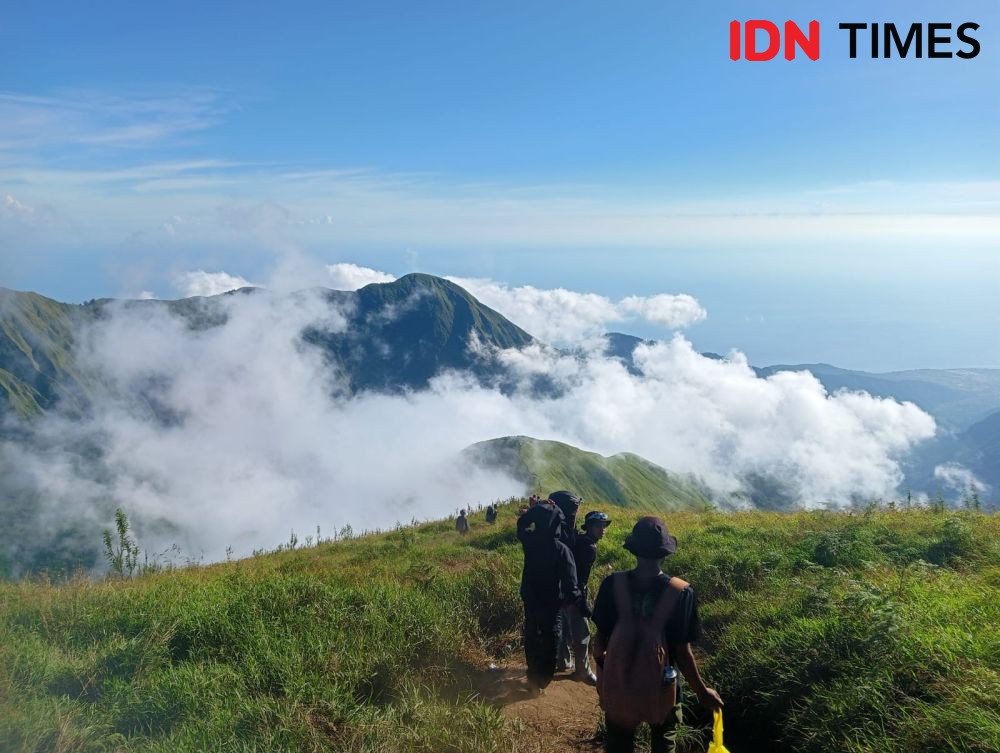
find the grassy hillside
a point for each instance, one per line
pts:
(625, 479)
(36, 361)
(824, 632)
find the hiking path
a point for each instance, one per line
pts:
(563, 719)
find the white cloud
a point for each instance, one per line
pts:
(346, 276)
(675, 311)
(717, 419)
(15, 212)
(91, 118)
(565, 316)
(251, 440)
(389, 208)
(202, 283)
(959, 478)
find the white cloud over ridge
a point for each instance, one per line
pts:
(960, 479)
(347, 276)
(565, 316)
(250, 440)
(202, 283)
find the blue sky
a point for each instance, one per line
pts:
(840, 210)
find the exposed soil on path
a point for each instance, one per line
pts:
(563, 719)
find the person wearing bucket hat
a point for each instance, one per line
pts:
(650, 539)
(646, 622)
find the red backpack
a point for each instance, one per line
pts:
(630, 682)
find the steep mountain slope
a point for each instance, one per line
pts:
(401, 334)
(36, 361)
(979, 450)
(623, 479)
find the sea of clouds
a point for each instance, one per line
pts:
(239, 438)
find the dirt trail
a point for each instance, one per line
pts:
(561, 720)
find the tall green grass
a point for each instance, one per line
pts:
(824, 632)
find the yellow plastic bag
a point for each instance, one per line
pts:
(717, 746)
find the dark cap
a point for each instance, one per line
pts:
(650, 539)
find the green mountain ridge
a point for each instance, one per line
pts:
(399, 336)
(626, 479)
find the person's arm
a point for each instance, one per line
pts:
(604, 617)
(586, 554)
(600, 647)
(567, 575)
(689, 668)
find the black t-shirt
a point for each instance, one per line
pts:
(684, 626)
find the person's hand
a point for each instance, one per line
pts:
(710, 699)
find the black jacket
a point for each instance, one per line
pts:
(549, 575)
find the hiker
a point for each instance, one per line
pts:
(646, 622)
(568, 503)
(462, 523)
(548, 582)
(491, 514)
(575, 629)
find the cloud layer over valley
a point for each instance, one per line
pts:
(234, 434)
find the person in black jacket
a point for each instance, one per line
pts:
(548, 581)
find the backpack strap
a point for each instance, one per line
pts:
(664, 608)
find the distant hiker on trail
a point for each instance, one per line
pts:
(576, 631)
(462, 523)
(646, 622)
(548, 582)
(533, 500)
(491, 514)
